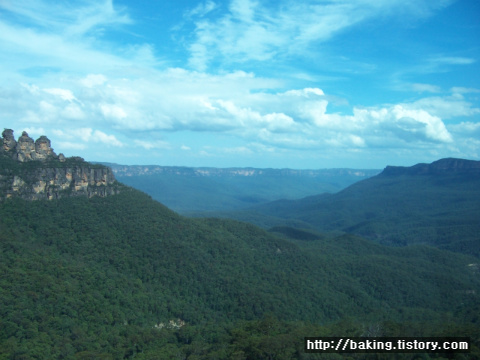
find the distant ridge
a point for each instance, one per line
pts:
(192, 190)
(135, 170)
(436, 204)
(442, 166)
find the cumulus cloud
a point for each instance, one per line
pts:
(466, 129)
(85, 135)
(446, 107)
(110, 140)
(420, 122)
(64, 94)
(172, 101)
(115, 112)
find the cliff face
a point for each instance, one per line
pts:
(31, 170)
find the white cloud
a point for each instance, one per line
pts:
(426, 88)
(87, 16)
(451, 60)
(92, 80)
(420, 121)
(101, 137)
(398, 124)
(148, 145)
(34, 132)
(73, 112)
(250, 30)
(446, 107)
(68, 145)
(201, 9)
(116, 112)
(466, 129)
(463, 90)
(85, 135)
(64, 94)
(66, 37)
(231, 104)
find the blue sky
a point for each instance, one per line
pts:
(282, 84)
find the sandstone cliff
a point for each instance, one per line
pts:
(31, 170)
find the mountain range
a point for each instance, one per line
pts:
(118, 275)
(436, 204)
(190, 190)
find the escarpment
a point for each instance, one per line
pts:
(31, 170)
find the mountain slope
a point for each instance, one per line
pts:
(437, 204)
(75, 267)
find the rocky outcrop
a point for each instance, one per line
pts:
(31, 170)
(25, 149)
(8, 140)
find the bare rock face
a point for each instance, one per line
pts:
(25, 148)
(53, 183)
(48, 176)
(9, 142)
(43, 149)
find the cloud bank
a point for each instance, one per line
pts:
(62, 74)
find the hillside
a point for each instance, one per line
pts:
(436, 204)
(190, 190)
(81, 273)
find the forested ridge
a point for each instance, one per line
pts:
(436, 204)
(125, 277)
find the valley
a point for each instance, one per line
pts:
(191, 191)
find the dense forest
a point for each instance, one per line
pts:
(125, 277)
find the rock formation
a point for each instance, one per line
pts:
(25, 149)
(31, 170)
